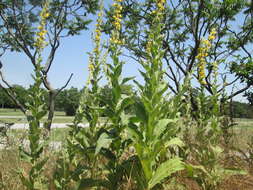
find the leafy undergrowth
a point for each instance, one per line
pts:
(10, 164)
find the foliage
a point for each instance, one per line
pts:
(174, 130)
(186, 23)
(68, 101)
(36, 109)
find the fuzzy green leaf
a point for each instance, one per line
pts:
(141, 112)
(175, 141)
(161, 126)
(104, 141)
(165, 170)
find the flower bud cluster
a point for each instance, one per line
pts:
(160, 7)
(40, 41)
(203, 50)
(117, 16)
(98, 33)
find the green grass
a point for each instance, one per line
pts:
(10, 112)
(17, 112)
(16, 116)
(23, 120)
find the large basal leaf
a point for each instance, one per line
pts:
(141, 112)
(26, 156)
(161, 126)
(104, 141)
(165, 170)
(191, 170)
(124, 102)
(134, 133)
(175, 141)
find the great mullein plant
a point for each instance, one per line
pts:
(152, 130)
(36, 109)
(101, 141)
(206, 147)
(78, 165)
(112, 142)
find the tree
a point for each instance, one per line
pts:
(21, 94)
(68, 99)
(17, 33)
(6, 101)
(186, 24)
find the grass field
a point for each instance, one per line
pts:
(66, 119)
(10, 161)
(17, 112)
(243, 127)
(16, 116)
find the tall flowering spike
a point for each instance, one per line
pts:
(156, 37)
(40, 41)
(148, 47)
(160, 5)
(97, 39)
(203, 50)
(94, 57)
(90, 69)
(117, 16)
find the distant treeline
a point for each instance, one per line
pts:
(68, 100)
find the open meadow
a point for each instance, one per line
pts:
(149, 106)
(240, 154)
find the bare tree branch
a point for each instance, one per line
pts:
(12, 94)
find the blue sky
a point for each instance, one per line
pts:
(71, 57)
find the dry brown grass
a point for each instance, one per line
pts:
(10, 164)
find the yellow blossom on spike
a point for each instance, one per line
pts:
(98, 33)
(212, 35)
(40, 35)
(148, 47)
(91, 67)
(160, 4)
(160, 7)
(205, 46)
(117, 16)
(94, 57)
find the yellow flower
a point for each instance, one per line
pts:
(117, 16)
(98, 33)
(91, 67)
(160, 7)
(40, 35)
(205, 46)
(95, 56)
(148, 47)
(160, 4)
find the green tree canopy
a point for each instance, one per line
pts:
(186, 23)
